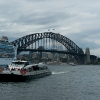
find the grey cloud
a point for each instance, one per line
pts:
(86, 39)
(42, 19)
(77, 20)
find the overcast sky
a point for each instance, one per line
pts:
(78, 20)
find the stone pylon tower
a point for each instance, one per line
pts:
(87, 58)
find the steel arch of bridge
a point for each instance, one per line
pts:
(25, 41)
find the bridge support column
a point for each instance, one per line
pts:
(87, 57)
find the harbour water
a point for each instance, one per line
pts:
(80, 82)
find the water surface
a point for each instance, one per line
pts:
(81, 82)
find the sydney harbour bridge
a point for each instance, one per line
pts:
(51, 42)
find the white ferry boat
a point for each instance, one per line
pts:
(7, 52)
(19, 71)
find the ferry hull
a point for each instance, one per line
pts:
(21, 78)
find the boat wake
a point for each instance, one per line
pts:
(59, 72)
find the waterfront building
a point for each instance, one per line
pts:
(50, 55)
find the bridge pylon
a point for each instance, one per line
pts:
(87, 57)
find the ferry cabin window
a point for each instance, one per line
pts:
(27, 63)
(21, 63)
(18, 63)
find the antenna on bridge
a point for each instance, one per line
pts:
(52, 29)
(48, 29)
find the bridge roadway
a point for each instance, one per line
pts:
(54, 51)
(92, 57)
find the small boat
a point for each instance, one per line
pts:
(72, 64)
(64, 64)
(20, 71)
